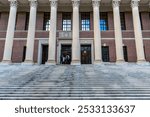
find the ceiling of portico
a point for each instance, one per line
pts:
(65, 2)
(85, 5)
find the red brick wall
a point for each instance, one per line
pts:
(91, 21)
(86, 34)
(17, 53)
(4, 20)
(128, 34)
(110, 21)
(2, 44)
(20, 34)
(107, 34)
(131, 49)
(21, 19)
(145, 20)
(59, 21)
(35, 58)
(129, 20)
(147, 49)
(39, 21)
(112, 49)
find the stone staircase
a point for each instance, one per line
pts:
(77, 82)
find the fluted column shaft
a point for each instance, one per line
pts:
(137, 31)
(97, 34)
(31, 31)
(10, 32)
(52, 34)
(118, 32)
(75, 34)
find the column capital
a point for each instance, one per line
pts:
(33, 3)
(53, 3)
(135, 3)
(13, 3)
(116, 3)
(75, 3)
(96, 3)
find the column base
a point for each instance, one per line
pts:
(28, 62)
(51, 62)
(143, 62)
(98, 62)
(121, 62)
(75, 62)
(6, 62)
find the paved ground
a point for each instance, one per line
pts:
(129, 81)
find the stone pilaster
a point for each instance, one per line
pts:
(31, 32)
(52, 34)
(75, 34)
(118, 32)
(10, 32)
(137, 31)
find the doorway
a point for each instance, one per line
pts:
(44, 53)
(105, 54)
(65, 57)
(86, 54)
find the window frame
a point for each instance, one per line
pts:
(46, 21)
(103, 25)
(122, 20)
(85, 21)
(67, 25)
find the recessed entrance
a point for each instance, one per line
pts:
(86, 54)
(65, 57)
(44, 53)
(105, 53)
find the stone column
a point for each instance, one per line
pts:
(52, 34)
(137, 31)
(31, 32)
(118, 32)
(75, 34)
(10, 32)
(97, 34)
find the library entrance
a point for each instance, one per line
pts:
(65, 57)
(86, 54)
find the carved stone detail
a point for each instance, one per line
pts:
(115, 3)
(96, 3)
(33, 3)
(13, 3)
(135, 3)
(75, 3)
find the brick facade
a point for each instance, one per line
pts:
(107, 36)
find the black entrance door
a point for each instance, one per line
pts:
(44, 53)
(86, 54)
(105, 53)
(65, 57)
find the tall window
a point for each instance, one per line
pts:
(27, 21)
(103, 21)
(46, 24)
(123, 24)
(85, 21)
(141, 20)
(66, 21)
